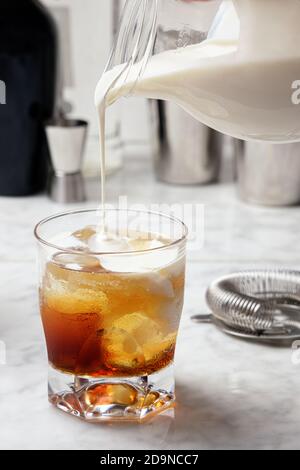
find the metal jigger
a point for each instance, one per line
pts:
(66, 141)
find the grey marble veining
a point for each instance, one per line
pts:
(231, 394)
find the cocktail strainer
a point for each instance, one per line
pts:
(261, 304)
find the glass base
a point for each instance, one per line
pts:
(112, 399)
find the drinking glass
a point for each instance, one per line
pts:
(111, 318)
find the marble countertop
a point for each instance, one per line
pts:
(231, 394)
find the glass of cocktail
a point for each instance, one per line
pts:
(111, 305)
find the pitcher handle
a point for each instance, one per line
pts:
(135, 39)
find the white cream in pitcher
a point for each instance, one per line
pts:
(238, 81)
(240, 86)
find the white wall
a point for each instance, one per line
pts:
(86, 33)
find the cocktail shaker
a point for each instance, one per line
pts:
(28, 63)
(66, 140)
(186, 151)
(268, 174)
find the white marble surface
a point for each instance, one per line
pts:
(231, 394)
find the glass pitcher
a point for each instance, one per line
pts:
(233, 65)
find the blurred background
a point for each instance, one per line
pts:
(86, 31)
(52, 54)
(81, 40)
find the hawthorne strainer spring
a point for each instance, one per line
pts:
(258, 304)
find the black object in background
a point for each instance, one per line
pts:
(28, 60)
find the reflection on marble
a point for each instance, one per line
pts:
(231, 394)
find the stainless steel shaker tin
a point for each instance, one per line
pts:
(268, 174)
(186, 151)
